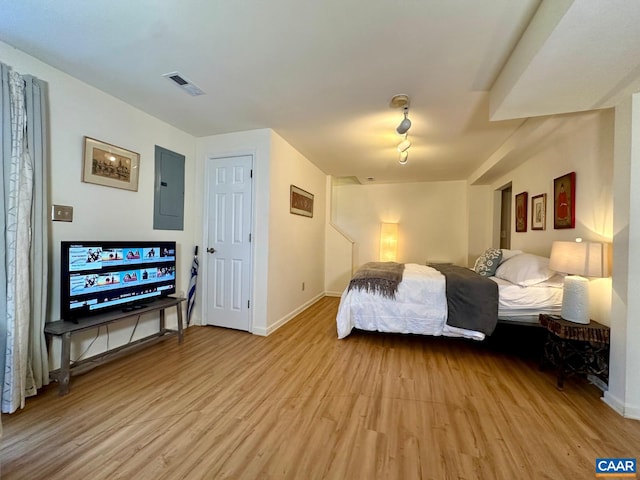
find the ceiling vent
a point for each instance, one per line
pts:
(185, 84)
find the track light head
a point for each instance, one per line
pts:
(404, 145)
(405, 124)
(404, 157)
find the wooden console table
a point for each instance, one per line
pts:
(576, 348)
(65, 329)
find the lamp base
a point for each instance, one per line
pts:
(575, 299)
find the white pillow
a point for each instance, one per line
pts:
(507, 254)
(525, 269)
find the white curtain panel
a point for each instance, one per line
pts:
(23, 356)
(37, 140)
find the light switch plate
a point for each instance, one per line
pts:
(61, 213)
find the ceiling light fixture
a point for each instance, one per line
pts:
(402, 101)
(405, 124)
(404, 145)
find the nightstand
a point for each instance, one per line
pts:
(575, 348)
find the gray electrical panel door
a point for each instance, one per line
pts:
(168, 203)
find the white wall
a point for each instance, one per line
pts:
(258, 144)
(339, 249)
(288, 249)
(479, 219)
(103, 213)
(296, 243)
(624, 390)
(78, 110)
(338, 261)
(432, 218)
(581, 143)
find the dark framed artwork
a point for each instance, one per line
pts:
(521, 211)
(301, 202)
(539, 212)
(564, 201)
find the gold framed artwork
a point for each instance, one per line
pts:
(301, 202)
(521, 211)
(539, 212)
(109, 165)
(564, 201)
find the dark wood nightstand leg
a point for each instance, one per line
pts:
(546, 356)
(562, 353)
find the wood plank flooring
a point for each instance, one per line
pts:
(301, 404)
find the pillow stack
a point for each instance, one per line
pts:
(524, 269)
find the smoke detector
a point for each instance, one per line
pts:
(185, 84)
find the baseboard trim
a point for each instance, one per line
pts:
(333, 294)
(632, 413)
(272, 328)
(614, 403)
(598, 382)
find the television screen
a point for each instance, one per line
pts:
(101, 276)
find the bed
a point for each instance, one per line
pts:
(420, 305)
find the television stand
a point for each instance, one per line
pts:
(66, 329)
(133, 308)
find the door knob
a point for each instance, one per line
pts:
(211, 250)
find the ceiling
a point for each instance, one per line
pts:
(322, 74)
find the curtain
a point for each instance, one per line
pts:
(24, 244)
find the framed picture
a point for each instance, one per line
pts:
(539, 212)
(111, 166)
(301, 202)
(564, 201)
(521, 212)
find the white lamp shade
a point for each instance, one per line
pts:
(388, 242)
(589, 259)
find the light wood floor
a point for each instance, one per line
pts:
(301, 404)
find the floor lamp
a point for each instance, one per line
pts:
(388, 242)
(578, 259)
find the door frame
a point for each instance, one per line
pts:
(499, 210)
(205, 230)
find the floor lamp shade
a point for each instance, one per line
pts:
(388, 242)
(578, 260)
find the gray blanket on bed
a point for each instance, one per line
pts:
(378, 277)
(472, 300)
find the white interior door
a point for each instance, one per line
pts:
(228, 242)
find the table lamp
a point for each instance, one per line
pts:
(578, 259)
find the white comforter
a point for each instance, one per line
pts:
(420, 307)
(522, 303)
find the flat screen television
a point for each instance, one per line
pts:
(98, 276)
